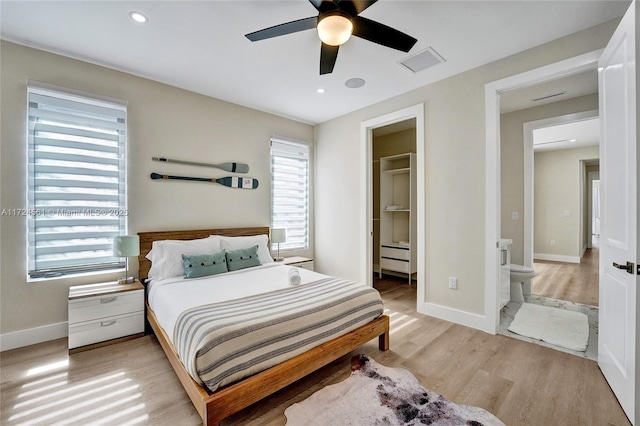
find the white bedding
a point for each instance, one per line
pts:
(169, 297)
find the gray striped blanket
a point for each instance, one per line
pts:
(224, 342)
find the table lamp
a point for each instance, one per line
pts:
(126, 246)
(278, 235)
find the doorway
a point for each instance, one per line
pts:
(544, 201)
(367, 127)
(394, 197)
(494, 208)
(563, 153)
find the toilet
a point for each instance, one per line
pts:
(520, 277)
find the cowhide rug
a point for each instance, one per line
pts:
(378, 395)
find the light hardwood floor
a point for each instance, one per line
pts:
(132, 382)
(574, 282)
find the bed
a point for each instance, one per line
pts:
(229, 398)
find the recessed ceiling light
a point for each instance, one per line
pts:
(138, 17)
(320, 90)
(573, 140)
(354, 83)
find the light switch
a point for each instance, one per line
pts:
(567, 213)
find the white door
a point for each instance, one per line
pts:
(618, 353)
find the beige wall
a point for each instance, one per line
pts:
(512, 163)
(384, 146)
(558, 189)
(163, 121)
(454, 161)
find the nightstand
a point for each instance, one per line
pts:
(103, 314)
(299, 261)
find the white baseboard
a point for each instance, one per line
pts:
(479, 322)
(584, 250)
(19, 339)
(556, 257)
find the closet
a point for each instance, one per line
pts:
(397, 252)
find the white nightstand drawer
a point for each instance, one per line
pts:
(395, 265)
(395, 252)
(91, 308)
(103, 329)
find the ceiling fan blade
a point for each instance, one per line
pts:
(354, 7)
(328, 56)
(323, 5)
(283, 29)
(382, 34)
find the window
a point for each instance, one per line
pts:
(290, 192)
(76, 182)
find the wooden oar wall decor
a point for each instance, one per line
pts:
(227, 167)
(230, 181)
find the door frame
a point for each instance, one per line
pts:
(493, 90)
(529, 172)
(366, 205)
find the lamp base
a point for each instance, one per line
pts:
(126, 280)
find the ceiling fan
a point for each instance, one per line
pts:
(337, 20)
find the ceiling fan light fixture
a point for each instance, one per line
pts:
(334, 29)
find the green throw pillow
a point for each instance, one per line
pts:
(201, 265)
(243, 258)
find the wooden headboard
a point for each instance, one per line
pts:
(147, 239)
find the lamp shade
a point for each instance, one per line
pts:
(334, 29)
(126, 245)
(278, 235)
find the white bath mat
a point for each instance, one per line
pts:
(558, 327)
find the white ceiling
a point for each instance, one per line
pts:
(568, 135)
(200, 45)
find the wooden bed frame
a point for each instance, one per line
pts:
(213, 407)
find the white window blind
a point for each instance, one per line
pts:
(290, 192)
(76, 182)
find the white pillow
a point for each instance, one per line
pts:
(236, 243)
(166, 255)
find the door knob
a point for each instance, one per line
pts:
(628, 267)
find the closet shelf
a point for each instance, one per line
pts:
(397, 171)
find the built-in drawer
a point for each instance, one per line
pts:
(399, 253)
(395, 265)
(91, 308)
(89, 332)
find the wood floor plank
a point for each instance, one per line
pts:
(485, 390)
(132, 382)
(574, 282)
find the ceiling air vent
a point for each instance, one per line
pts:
(422, 60)
(548, 96)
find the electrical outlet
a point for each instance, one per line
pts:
(552, 242)
(453, 283)
(514, 216)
